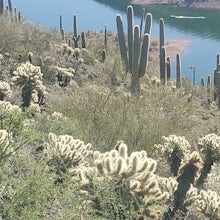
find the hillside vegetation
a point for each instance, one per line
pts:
(214, 4)
(77, 143)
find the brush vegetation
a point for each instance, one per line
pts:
(75, 143)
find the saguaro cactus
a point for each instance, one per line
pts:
(136, 56)
(9, 5)
(215, 75)
(178, 71)
(76, 36)
(168, 68)
(130, 20)
(163, 71)
(161, 44)
(1, 6)
(83, 37)
(61, 24)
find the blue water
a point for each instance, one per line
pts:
(92, 15)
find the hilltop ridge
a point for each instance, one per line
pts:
(212, 4)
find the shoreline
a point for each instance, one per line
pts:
(199, 5)
(173, 47)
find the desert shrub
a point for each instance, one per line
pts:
(106, 116)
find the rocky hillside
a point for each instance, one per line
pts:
(215, 4)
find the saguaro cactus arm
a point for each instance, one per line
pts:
(130, 20)
(121, 39)
(144, 55)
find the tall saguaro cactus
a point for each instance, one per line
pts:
(178, 71)
(215, 75)
(161, 45)
(130, 20)
(1, 6)
(135, 54)
(9, 5)
(76, 36)
(163, 69)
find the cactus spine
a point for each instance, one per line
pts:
(178, 71)
(136, 58)
(76, 36)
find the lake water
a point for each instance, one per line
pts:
(204, 34)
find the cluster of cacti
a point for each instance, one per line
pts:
(4, 141)
(5, 90)
(165, 63)
(71, 151)
(206, 202)
(175, 150)
(190, 168)
(7, 106)
(64, 75)
(29, 78)
(135, 54)
(135, 174)
(56, 116)
(5, 149)
(209, 145)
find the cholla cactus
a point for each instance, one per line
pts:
(5, 149)
(71, 151)
(210, 147)
(67, 49)
(213, 179)
(189, 171)
(211, 143)
(174, 149)
(64, 75)
(206, 202)
(134, 175)
(29, 78)
(5, 90)
(7, 106)
(168, 185)
(11, 117)
(56, 116)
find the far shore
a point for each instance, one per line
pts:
(208, 5)
(173, 47)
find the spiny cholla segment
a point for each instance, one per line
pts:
(5, 90)
(5, 148)
(28, 73)
(29, 77)
(206, 202)
(72, 151)
(136, 172)
(210, 142)
(173, 142)
(7, 106)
